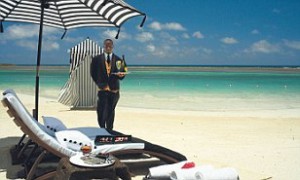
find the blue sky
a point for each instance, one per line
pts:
(178, 32)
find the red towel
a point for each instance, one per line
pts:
(188, 165)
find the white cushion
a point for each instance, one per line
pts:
(53, 125)
(41, 126)
(92, 132)
(108, 148)
(73, 139)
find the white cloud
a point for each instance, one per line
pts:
(169, 53)
(32, 45)
(51, 30)
(49, 46)
(168, 38)
(263, 46)
(229, 40)
(207, 51)
(292, 44)
(255, 31)
(198, 35)
(157, 26)
(128, 48)
(27, 44)
(144, 37)
(186, 36)
(26, 36)
(21, 31)
(159, 51)
(163, 51)
(150, 48)
(192, 52)
(74, 39)
(174, 26)
(112, 34)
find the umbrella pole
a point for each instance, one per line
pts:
(38, 62)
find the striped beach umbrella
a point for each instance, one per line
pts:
(66, 14)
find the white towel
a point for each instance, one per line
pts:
(195, 173)
(220, 174)
(165, 170)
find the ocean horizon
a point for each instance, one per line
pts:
(166, 65)
(179, 87)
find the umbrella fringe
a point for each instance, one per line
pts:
(1, 27)
(63, 34)
(144, 19)
(117, 36)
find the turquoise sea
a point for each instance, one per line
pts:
(197, 88)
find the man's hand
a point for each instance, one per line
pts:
(106, 88)
(121, 74)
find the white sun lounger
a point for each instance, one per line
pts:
(36, 132)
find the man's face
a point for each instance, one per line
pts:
(108, 46)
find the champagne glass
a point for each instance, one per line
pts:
(119, 65)
(86, 149)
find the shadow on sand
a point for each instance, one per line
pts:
(5, 157)
(13, 171)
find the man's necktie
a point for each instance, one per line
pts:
(108, 59)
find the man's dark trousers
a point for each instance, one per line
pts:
(107, 102)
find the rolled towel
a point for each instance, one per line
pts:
(195, 173)
(163, 171)
(219, 174)
(188, 165)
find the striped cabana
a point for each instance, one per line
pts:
(80, 91)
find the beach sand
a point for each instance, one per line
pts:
(259, 144)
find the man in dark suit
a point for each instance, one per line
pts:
(106, 70)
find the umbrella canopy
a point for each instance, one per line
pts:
(66, 14)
